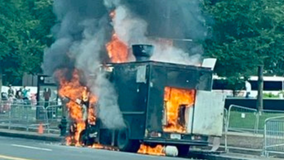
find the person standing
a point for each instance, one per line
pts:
(46, 96)
(25, 94)
(19, 94)
(11, 92)
(248, 89)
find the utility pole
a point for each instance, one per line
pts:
(1, 81)
(260, 89)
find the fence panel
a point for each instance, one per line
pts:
(28, 117)
(24, 116)
(266, 114)
(5, 107)
(225, 120)
(48, 103)
(274, 136)
(54, 114)
(242, 119)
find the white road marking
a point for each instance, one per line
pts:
(12, 158)
(30, 147)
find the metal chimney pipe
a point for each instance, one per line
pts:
(142, 52)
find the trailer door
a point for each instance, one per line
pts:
(208, 113)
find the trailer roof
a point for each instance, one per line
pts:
(165, 64)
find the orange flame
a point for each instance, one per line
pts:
(174, 98)
(117, 50)
(157, 150)
(99, 146)
(74, 90)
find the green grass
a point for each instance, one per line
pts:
(242, 120)
(264, 116)
(247, 120)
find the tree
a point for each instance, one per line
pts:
(246, 33)
(24, 33)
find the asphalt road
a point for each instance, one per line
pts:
(23, 149)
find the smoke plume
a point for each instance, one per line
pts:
(83, 28)
(183, 22)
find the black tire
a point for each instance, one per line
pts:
(85, 140)
(183, 150)
(125, 144)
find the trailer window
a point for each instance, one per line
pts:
(175, 103)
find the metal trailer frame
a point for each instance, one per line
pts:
(140, 89)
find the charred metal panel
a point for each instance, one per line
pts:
(140, 89)
(180, 76)
(158, 80)
(187, 77)
(136, 122)
(205, 81)
(132, 95)
(130, 81)
(173, 75)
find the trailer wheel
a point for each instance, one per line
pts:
(126, 144)
(183, 150)
(82, 138)
(85, 140)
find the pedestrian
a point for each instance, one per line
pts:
(248, 89)
(19, 94)
(11, 92)
(46, 96)
(25, 94)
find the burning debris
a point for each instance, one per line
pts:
(80, 106)
(176, 102)
(158, 150)
(83, 43)
(117, 50)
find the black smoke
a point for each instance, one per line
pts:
(84, 27)
(174, 19)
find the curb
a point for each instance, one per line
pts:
(34, 136)
(218, 156)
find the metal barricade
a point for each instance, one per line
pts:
(265, 115)
(47, 103)
(225, 120)
(241, 125)
(242, 119)
(54, 115)
(274, 136)
(225, 128)
(5, 107)
(24, 116)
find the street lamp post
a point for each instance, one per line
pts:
(260, 89)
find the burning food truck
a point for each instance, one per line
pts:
(162, 104)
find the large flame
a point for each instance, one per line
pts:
(174, 98)
(118, 53)
(117, 50)
(157, 150)
(73, 90)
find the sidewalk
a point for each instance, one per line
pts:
(235, 156)
(31, 135)
(234, 137)
(244, 140)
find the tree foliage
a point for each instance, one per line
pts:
(24, 33)
(246, 34)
